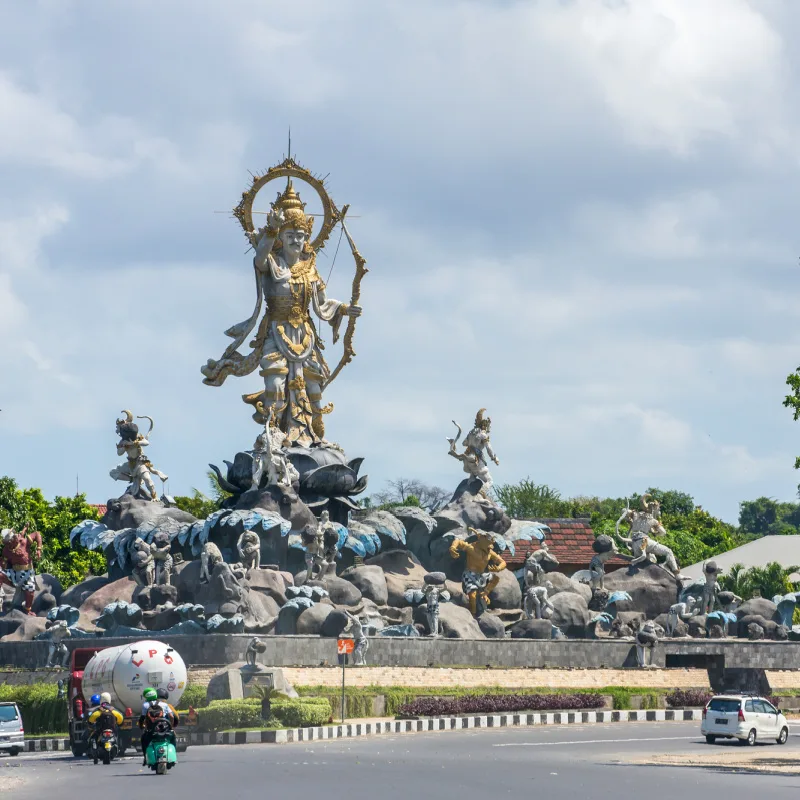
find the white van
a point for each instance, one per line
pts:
(744, 717)
(12, 731)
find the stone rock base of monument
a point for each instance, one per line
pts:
(739, 681)
(239, 680)
(327, 482)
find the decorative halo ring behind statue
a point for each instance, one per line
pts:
(289, 169)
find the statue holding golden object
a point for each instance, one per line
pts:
(287, 346)
(482, 565)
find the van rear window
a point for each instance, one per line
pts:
(724, 705)
(8, 714)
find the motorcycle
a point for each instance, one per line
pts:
(161, 753)
(105, 747)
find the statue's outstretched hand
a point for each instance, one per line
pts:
(354, 311)
(275, 219)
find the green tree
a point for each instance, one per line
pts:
(767, 581)
(735, 580)
(201, 505)
(527, 499)
(54, 521)
(765, 516)
(772, 579)
(792, 401)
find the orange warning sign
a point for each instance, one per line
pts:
(345, 646)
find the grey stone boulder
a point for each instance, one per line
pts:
(150, 597)
(532, 629)
(652, 589)
(49, 584)
(397, 616)
(161, 618)
(402, 571)
(390, 529)
(116, 591)
(697, 626)
(334, 623)
(468, 508)
(420, 526)
(571, 614)
(311, 621)
(769, 626)
(266, 606)
(11, 620)
(27, 630)
(456, 622)
(492, 626)
(507, 594)
(340, 591)
(370, 581)
(760, 607)
(269, 582)
(78, 594)
(42, 603)
(563, 583)
(289, 614)
(130, 512)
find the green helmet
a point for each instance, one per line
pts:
(150, 695)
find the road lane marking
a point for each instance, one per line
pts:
(598, 741)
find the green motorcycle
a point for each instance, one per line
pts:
(161, 753)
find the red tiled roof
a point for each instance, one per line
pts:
(569, 540)
(101, 508)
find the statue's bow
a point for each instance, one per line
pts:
(355, 295)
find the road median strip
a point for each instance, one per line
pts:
(424, 725)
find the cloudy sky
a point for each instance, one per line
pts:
(580, 214)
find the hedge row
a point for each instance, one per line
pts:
(359, 700)
(498, 704)
(222, 715)
(42, 711)
(688, 698)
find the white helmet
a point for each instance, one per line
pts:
(105, 698)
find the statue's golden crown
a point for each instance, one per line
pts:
(293, 210)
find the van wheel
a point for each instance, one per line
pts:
(15, 751)
(751, 738)
(783, 736)
(710, 739)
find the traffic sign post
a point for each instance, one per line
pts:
(343, 648)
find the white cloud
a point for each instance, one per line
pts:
(538, 239)
(676, 73)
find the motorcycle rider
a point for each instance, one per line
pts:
(155, 708)
(104, 717)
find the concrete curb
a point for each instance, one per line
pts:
(394, 726)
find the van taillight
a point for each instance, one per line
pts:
(705, 709)
(741, 715)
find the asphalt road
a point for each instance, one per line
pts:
(556, 763)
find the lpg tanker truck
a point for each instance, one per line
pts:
(124, 672)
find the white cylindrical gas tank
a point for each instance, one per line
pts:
(127, 670)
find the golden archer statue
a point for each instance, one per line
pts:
(287, 347)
